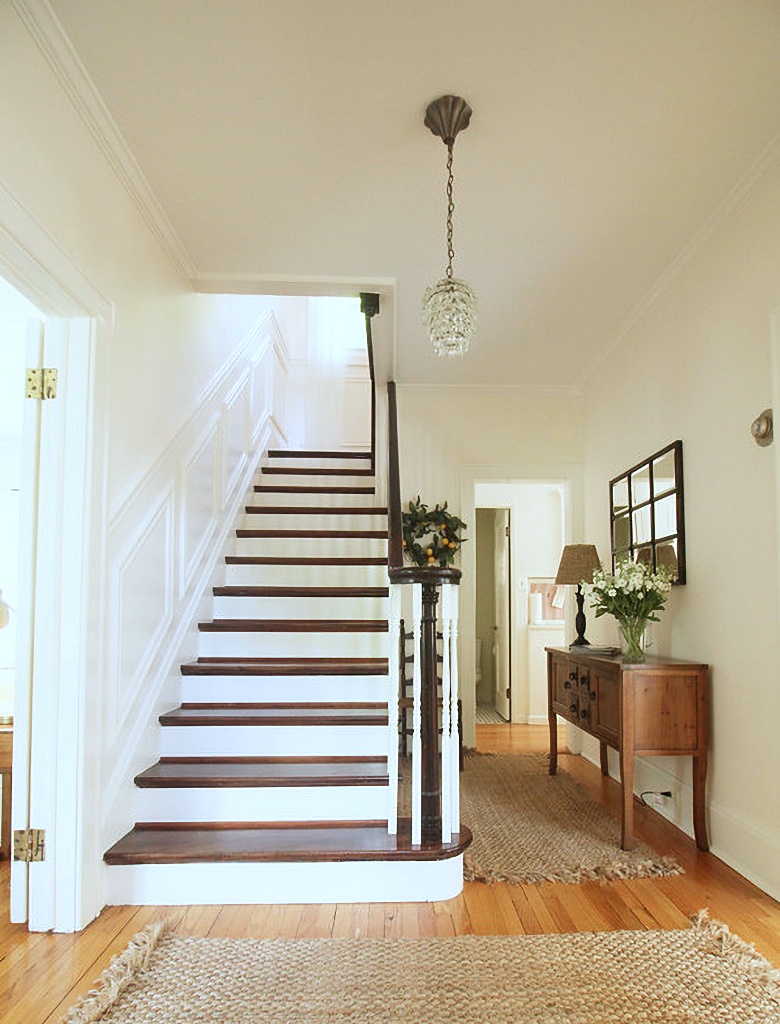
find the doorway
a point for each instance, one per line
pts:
(492, 641)
(16, 315)
(520, 531)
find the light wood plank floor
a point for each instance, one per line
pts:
(42, 975)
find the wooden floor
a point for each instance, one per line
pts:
(41, 975)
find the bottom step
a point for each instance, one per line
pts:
(327, 863)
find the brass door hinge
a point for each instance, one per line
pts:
(41, 383)
(30, 845)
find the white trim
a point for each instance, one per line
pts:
(39, 267)
(51, 39)
(291, 284)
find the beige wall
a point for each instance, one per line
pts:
(698, 366)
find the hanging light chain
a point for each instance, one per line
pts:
(450, 208)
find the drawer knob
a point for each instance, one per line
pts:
(584, 681)
(573, 709)
(593, 695)
(566, 685)
(584, 713)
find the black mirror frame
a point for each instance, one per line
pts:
(630, 550)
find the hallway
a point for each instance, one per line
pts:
(41, 975)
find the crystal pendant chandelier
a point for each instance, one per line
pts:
(450, 306)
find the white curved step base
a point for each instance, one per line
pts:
(306, 499)
(289, 479)
(265, 883)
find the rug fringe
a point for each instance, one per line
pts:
(718, 939)
(661, 868)
(117, 976)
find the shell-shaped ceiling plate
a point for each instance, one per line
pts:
(446, 116)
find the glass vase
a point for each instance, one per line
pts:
(633, 633)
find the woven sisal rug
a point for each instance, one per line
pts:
(703, 975)
(530, 826)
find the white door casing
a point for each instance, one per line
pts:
(502, 627)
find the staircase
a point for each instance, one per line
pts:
(272, 783)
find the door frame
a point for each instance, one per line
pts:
(63, 892)
(569, 474)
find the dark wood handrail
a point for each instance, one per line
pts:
(369, 306)
(395, 543)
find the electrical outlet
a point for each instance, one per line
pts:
(659, 801)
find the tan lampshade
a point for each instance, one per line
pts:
(577, 563)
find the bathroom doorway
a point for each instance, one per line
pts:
(520, 531)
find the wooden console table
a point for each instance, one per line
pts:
(656, 707)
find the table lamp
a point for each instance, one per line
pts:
(577, 564)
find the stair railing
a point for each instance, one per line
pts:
(435, 783)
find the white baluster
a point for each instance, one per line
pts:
(417, 609)
(393, 706)
(446, 716)
(454, 738)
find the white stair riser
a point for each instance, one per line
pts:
(312, 521)
(312, 547)
(309, 500)
(291, 803)
(247, 882)
(300, 607)
(293, 645)
(315, 480)
(283, 689)
(282, 462)
(306, 575)
(273, 740)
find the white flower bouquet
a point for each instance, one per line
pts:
(633, 594)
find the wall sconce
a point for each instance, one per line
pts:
(762, 429)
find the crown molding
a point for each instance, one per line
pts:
(48, 34)
(735, 199)
(291, 284)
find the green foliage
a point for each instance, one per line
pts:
(431, 536)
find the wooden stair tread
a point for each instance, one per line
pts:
(313, 489)
(328, 842)
(294, 626)
(286, 667)
(317, 534)
(276, 715)
(250, 772)
(278, 453)
(236, 590)
(304, 560)
(315, 471)
(314, 510)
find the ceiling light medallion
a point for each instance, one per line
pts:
(450, 305)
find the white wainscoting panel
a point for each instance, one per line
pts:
(147, 567)
(199, 503)
(164, 550)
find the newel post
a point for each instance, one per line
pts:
(431, 775)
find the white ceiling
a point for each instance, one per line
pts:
(285, 139)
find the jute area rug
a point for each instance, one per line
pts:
(700, 976)
(530, 826)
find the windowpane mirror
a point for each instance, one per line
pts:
(646, 507)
